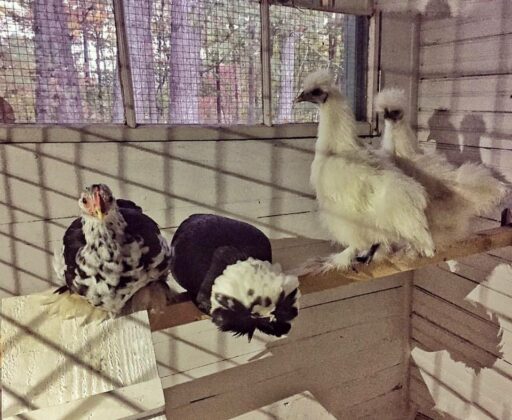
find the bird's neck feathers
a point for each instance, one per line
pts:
(387, 142)
(112, 226)
(398, 139)
(254, 294)
(337, 127)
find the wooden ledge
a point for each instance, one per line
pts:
(185, 311)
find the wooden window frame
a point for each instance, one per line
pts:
(131, 131)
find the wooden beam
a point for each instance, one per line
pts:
(352, 7)
(124, 66)
(265, 62)
(185, 311)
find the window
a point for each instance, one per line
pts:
(190, 62)
(57, 61)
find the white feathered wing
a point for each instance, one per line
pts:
(455, 194)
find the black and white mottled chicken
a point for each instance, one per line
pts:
(456, 194)
(226, 266)
(109, 253)
(365, 202)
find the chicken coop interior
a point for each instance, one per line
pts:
(256, 209)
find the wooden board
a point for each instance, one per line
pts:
(476, 93)
(301, 406)
(461, 321)
(481, 56)
(59, 369)
(205, 371)
(331, 368)
(474, 244)
(496, 125)
(479, 19)
(315, 328)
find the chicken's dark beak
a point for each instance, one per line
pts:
(299, 98)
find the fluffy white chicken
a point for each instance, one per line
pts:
(365, 202)
(456, 194)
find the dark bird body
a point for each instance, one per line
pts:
(213, 243)
(225, 265)
(107, 260)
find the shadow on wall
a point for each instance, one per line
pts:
(457, 389)
(437, 9)
(263, 183)
(465, 353)
(461, 143)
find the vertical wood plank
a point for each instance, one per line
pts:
(372, 85)
(265, 61)
(123, 63)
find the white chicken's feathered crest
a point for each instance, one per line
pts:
(391, 98)
(321, 78)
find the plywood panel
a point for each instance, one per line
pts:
(460, 391)
(463, 349)
(47, 362)
(452, 287)
(466, 140)
(206, 373)
(422, 400)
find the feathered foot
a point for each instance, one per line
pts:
(311, 266)
(341, 261)
(367, 258)
(320, 265)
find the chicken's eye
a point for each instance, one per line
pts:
(84, 200)
(316, 92)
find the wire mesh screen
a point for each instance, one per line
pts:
(192, 62)
(57, 61)
(302, 41)
(195, 62)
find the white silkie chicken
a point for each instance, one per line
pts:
(365, 202)
(456, 194)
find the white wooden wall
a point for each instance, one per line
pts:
(263, 182)
(465, 104)
(465, 83)
(346, 347)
